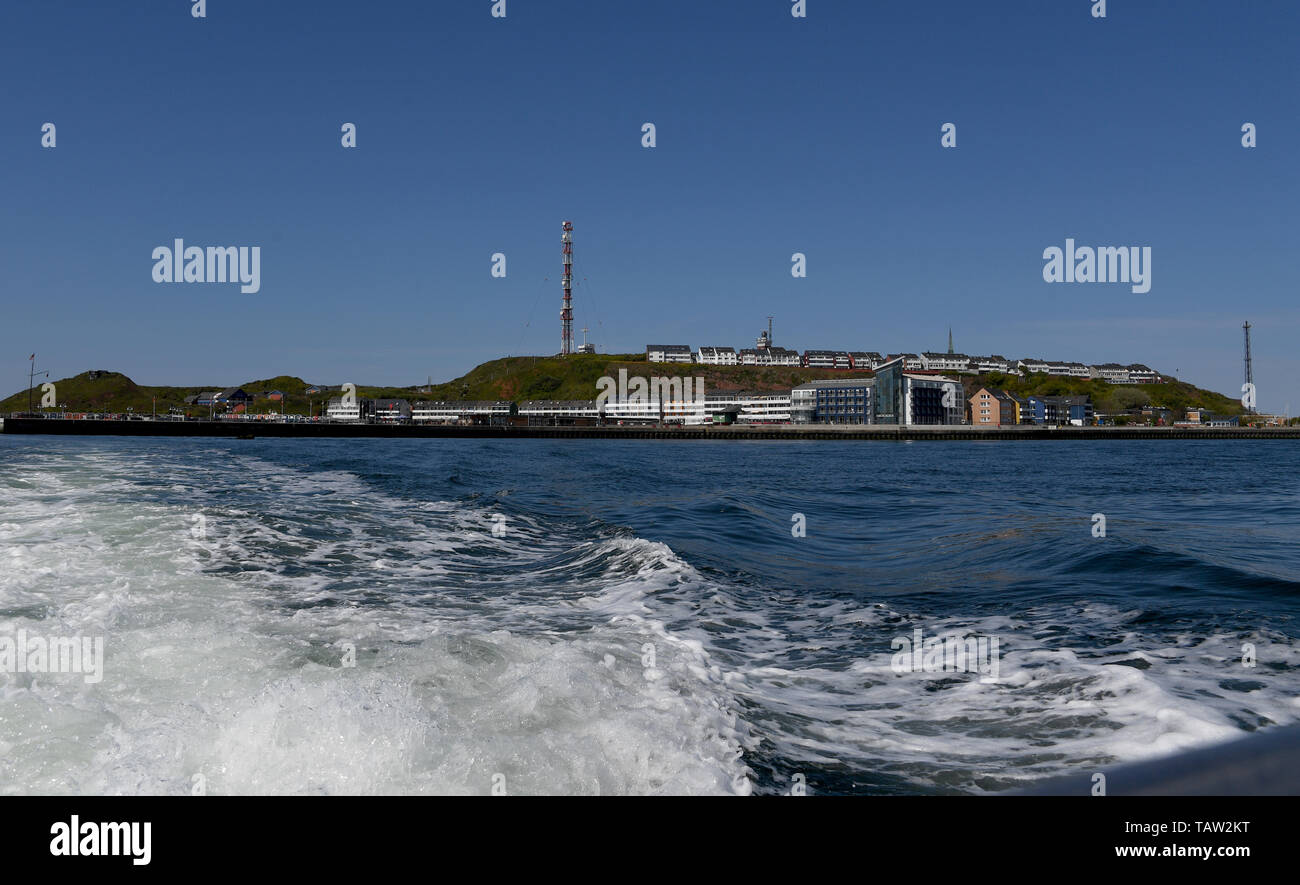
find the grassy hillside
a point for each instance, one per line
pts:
(1176, 395)
(575, 377)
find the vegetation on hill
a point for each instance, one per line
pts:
(1176, 395)
(574, 378)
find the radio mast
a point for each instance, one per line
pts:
(566, 312)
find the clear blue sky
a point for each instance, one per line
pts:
(775, 135)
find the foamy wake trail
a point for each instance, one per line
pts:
(228, 669)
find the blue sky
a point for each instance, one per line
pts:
(775, 135)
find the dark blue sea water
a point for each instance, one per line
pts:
(637, 616)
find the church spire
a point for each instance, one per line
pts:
(950, 350)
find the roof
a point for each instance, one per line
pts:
(838, 382)
(462, 405)
(674, 348)
(558, 404)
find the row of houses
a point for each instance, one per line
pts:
(993, 407)
(1135, 373)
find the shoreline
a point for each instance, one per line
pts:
(780, 432)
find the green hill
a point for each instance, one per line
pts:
(574, 377)
(1176, 395)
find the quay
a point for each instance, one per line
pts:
(786, 432)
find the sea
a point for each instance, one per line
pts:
(523, 617)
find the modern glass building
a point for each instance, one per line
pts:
(902, 397)
(839, 401)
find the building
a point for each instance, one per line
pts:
(560, 412)
(985, 364)
(945, 362)
(865, 360)
(1112, 373)
(1032, 367)
(827, 359)
(353, 410)
(911, 362)
(233, 396)
(1140, 374)
(391, 411)
(1076, 410)
(1206, 418)
(992, 407)
(639, 410)
(718, 356)
(462, 412)
(840, 401)
(669, 353)
(754, 408)
(904, 398)
(770, 356)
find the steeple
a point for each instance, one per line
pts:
(950, 350)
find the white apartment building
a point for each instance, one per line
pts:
(450, 412)
(718, 356)
(341, 411)
(570, 409)
(944, 362)
(669, 353)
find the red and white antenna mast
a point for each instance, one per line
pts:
(566, 314)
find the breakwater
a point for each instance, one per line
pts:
(788, 432)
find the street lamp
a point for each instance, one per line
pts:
(32, 372)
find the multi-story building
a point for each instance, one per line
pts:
(718, 356)
(866, 359)
(640, 410)
(1140, 374)
(669, 353)
(391, 411)
(1112, 373)
(901, 397)
(995, 363)
(945, 362)
(462, 412)
(755, 408)
(841, 401)
(353, 410)
(827, 359)
(554, 412)
(1075, 410)
(992, 407)
(911, 362)
(1032, 367)
(769, 356)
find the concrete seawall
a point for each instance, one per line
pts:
(233, 429)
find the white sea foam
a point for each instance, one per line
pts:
(223, 661)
